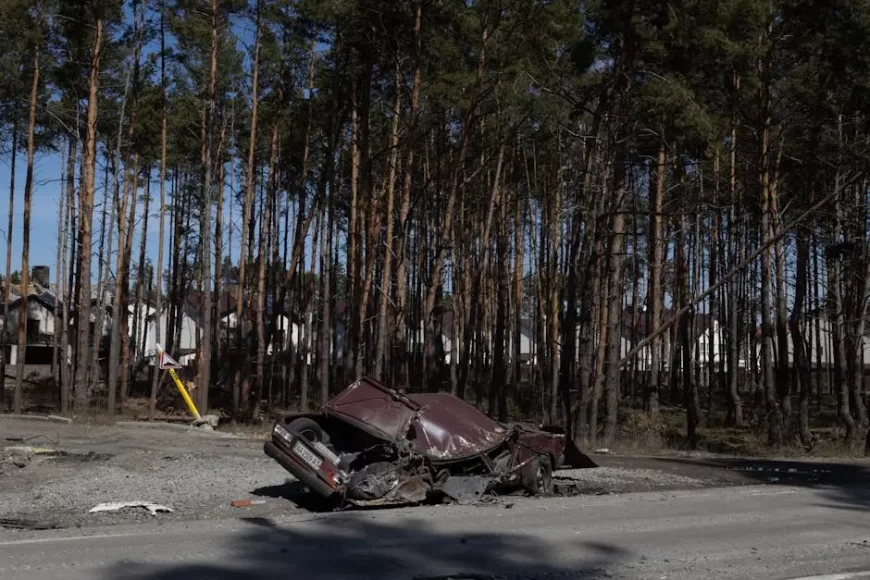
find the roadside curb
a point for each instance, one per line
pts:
(43, 418)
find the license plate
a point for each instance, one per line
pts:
(306, 454)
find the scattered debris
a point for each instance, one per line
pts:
(603, 451)
(466, 489)
(790, 470)
(90, 456)
(240, 503)
(19, 450)
(48, 418)
(21, 455)
(153, 508)
(26, 524)
(52, 441)
(207, 422)
(566, 487)
(58, 419)
(19, 461)
(460, 577)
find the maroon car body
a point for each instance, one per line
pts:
(373, 445)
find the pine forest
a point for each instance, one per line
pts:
(643, 221)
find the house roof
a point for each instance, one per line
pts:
(44, 297)
(226, 301)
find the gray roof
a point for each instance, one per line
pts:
(44, 297)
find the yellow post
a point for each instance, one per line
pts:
(184, 395)
(179, 385)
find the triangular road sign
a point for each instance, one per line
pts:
(166, 361)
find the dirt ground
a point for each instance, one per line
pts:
(51, 474)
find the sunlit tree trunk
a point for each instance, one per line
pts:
(86, 215)
(17, 399)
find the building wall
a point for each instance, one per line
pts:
(36, 311)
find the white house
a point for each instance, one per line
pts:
(817, 351)
(41, 307)
(40, 315)
(184, 351)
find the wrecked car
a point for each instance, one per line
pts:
(371, 445)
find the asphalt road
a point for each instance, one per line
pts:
(752, 532)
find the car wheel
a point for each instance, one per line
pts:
(538, 476)
(309, 429)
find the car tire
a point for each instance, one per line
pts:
(538, 476)
(309, 429)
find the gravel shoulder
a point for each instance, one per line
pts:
(64, 470)
(69, 469)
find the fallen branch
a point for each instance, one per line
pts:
(725, 279)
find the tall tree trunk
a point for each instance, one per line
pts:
(17, 399)
(400, 353)
(372, 245)
(656, 295)
(124, 275)
(265, 233)
(603, 286)
(107, 221)
(119, 343)
(434, 286)
(498, 396)
(141, 312)
(60, 256)
(241, 384)
(351, 338)
(683, 342)
(324, 333)
(774, 415)
(715, 318)
(555, 292)
(305, 347)
(86, 216)
(584, 246)
(69, 233)
(735, 410)
(519, 267)
(386, 277)
(204, 355)
(5, 344)
(218, 303)
(158, 270)
(783, 374)
(119, 313)
(859, 266)
(797, 336)
(615, 280)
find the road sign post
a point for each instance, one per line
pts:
(167, 363)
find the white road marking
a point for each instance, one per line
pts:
(843, 576)
(77, 538)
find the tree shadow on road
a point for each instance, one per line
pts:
(844, 485)
(297, 493)
(356, 547)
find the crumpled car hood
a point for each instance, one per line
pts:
(448, 428)
(436, 425)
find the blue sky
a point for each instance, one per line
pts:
(44, 213)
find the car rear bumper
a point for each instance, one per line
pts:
(299, 471)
